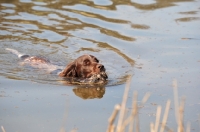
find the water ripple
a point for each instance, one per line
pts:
(64, 30)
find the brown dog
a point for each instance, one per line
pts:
(84, 67)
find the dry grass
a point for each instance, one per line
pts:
(2, 128)
(131, 122)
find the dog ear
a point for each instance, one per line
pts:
(69, 71)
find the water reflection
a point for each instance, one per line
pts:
(89, 92)
(157, 4)
(187, 19)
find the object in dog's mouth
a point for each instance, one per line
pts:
(99, 78)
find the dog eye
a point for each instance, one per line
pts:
(96, 60)
(86, 62)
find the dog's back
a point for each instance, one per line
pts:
(36, 61)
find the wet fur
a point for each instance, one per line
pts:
(85, 66)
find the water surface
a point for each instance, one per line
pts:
(154, 41)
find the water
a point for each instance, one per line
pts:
(154, 41)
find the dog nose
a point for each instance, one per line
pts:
(101, 67)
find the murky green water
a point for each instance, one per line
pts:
(155, 41)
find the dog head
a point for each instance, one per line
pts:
(85, 66)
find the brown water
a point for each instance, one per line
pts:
(155, 41)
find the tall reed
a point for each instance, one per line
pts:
(131, 123)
